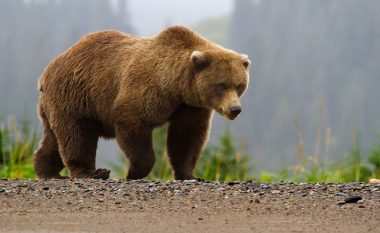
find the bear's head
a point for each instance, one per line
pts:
(219, 79)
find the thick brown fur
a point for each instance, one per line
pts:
(115, 85)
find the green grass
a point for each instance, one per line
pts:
(17, 145)
(356, 166)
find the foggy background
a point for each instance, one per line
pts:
(314, 74)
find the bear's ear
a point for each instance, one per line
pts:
(245, 60)
(199, 59)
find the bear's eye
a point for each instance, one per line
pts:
(222, 86)
(240, 89)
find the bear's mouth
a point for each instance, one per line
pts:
(228, 116)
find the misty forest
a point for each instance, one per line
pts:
(314, 74)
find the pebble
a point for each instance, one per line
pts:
(340, 194)
(177, 192)
(374, 181)
(231, 183)
(352, 199)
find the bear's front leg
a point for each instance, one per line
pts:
(188, 133)
(136, 142)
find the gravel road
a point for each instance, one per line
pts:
(89, 205)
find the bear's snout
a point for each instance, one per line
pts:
(229, 106)
(235, 111)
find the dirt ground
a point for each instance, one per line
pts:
(188, 206)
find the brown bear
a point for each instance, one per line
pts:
(114, 85)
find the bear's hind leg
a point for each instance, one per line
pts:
(47, 161)
(77, 146)
(188, 133)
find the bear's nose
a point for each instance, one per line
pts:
(235, 111)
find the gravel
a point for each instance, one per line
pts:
(125, 205)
